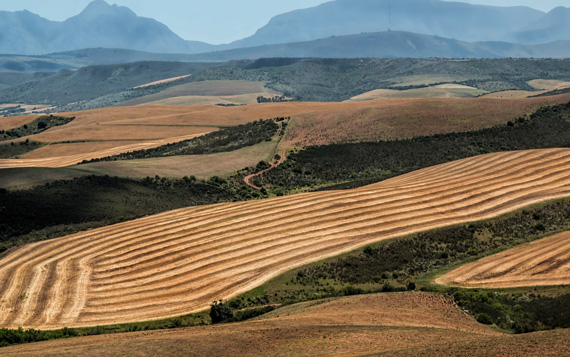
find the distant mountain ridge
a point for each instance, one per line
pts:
(99, 25)
(371, 45)
(456, 20)
(391, 44)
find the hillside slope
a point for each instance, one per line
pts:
(69, 86)
(99, 25)
(551, 27)
(347, 17)
(540, 263)
(389, 45)
(180, 261)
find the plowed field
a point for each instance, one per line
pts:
(542, 262)
(180, 261)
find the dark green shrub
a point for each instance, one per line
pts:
(219, 312)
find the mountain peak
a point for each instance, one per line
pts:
(98, 8)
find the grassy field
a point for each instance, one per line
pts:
(210, 89)
(200, 166)
(22, 178)
(542, 86)
(427, 80)
(179, 261)
(227, 100)
(438, 91)
(403, 323)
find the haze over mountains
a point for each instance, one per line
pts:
(99, 25)
(419, 28)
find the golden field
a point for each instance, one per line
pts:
(180, 261)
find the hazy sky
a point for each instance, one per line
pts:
(213, 21)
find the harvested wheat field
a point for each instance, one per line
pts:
(539, 263)
(95, 132)
(16, 121)
(390, 119)
(76, 158)
(403, 323)
(178, 262)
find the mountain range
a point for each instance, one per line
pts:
(99, 25)
(341, 28)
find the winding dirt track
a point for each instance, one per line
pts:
(249, 179)
(542, 262)
(178, 262)
(73, 159)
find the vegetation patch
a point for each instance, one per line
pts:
(229, 139)
(39, 125)
(14, 150)
(359, 164)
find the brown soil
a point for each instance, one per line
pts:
(540, 263)
(180, 261)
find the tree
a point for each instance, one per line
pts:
(219, 312)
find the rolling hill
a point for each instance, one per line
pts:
(91, 82)
(180, 261)
(551, 27)
(539, 263)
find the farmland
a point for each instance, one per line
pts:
(209, 90)
(164, 265)
(102, 132)
(543, 262)
(404, 323)
(437, 91)
(72, 159)
(393, 119)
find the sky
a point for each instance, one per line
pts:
(213, 21)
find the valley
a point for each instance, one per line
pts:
(354, 177)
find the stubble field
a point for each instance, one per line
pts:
(540, 263)
(180, 261)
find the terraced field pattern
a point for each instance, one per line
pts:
(539, 263)
(180, 261)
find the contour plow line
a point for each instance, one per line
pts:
(539, 263)
(74, 159)
(178, 262)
